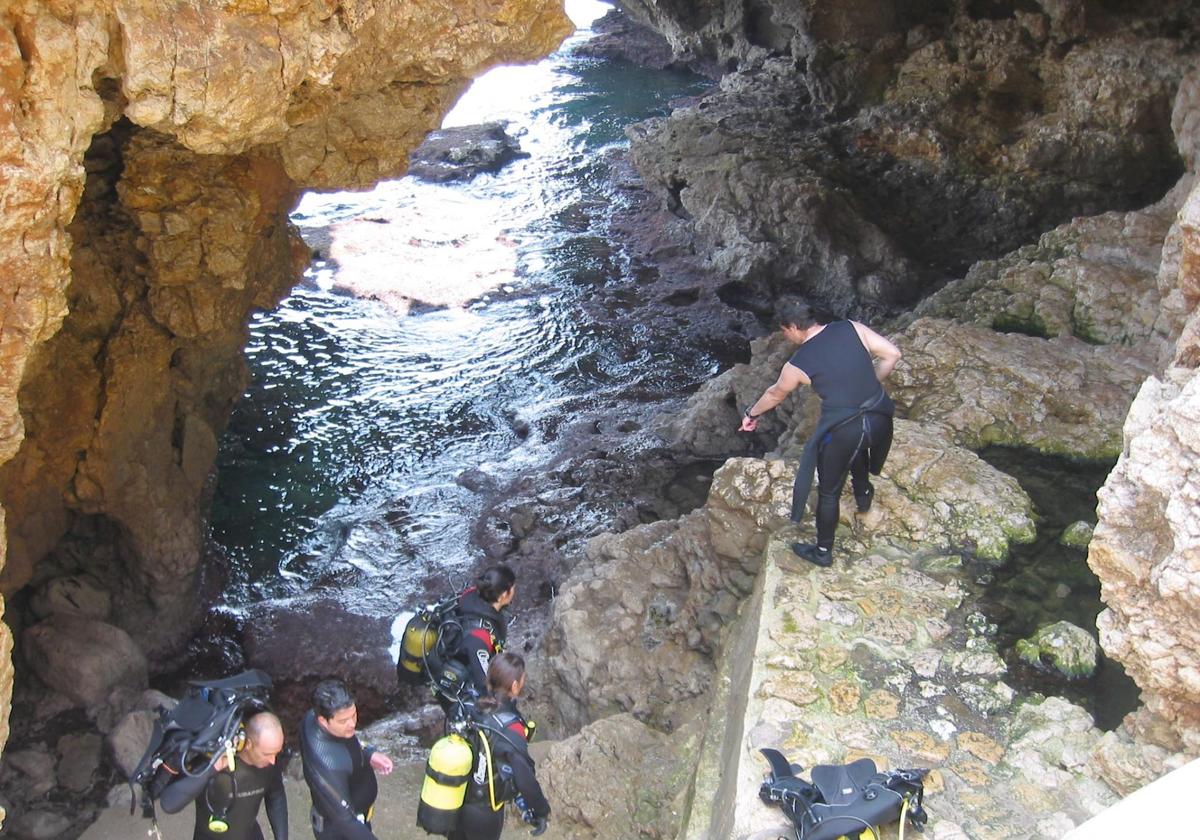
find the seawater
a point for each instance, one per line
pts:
(338, 467)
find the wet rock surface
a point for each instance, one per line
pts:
(620, 37)
(1070, 650)
(459, 154)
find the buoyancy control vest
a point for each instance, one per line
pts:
(190, 738)
(480, 761)
(844, 801)
(450, 644)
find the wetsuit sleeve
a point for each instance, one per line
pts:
(182, 790)
(517, 751)
(528, 785)
(478, 649)
(336, 809)
(276, 806)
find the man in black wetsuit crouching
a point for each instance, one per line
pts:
(339, 770)
(228, 798)
(846, 363)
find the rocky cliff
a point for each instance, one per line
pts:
(152, 152)
(967, 154)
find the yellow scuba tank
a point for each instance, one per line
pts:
(419, 641)
(445, 785)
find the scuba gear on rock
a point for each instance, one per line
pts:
(191, 738)
(846, 801)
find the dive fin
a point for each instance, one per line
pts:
(780, 768)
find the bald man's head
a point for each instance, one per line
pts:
(264, 740)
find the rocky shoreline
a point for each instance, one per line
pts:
(1054, 217)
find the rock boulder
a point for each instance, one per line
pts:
(84, 659)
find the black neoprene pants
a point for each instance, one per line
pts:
(844, 452)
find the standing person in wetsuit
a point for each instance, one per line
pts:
(510, 773)
(845, 362)
(227, 799)
(485, 629)
(339, 770)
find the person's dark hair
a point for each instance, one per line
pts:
(495, 581)
(505, 669)
(330, 697)
(795, 312)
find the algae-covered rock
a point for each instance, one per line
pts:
(1077, 534)
(1060, 396)
(1070, 650)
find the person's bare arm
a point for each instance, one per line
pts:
(790, 378)
(883, 351)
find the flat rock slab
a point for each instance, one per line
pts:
(864, 660)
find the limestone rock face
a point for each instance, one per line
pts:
(1145, 552)
(151, 153)
(1094, 278)
(613, 780)
(1060, 396)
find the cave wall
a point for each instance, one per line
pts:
(1146, 547)
(874, 155)
(151, 153)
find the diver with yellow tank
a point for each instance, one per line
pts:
(483, 764)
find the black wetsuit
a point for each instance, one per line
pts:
(854, 432)
(484, 633)
(236, 795)
(342, 782)
(512, 774)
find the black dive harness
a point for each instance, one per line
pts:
(844, 800)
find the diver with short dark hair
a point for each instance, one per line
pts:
(845, 362)
(339, 770)
(227, 797)
(504, 771)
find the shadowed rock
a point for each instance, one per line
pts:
(459, 154)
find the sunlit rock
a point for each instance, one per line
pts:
(1060, 396)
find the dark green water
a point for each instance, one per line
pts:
(338, 468)
(1045, 581)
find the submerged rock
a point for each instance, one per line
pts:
(1077, 534)
(1069, 650)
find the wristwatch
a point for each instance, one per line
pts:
(748, 415)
